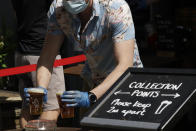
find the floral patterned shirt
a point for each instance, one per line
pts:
(111, 22)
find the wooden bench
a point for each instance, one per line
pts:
(10, 108)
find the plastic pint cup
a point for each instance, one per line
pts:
(66, 112)
(36, 100)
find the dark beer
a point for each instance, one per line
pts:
(36, 101)
(66, 112)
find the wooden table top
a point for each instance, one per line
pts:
(9, 96)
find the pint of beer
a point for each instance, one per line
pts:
(36, 100)
(66, 112)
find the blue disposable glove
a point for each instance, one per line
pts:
(27, 95)
(75, 99)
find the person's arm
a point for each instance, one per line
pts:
(124, 55)
(53, 40)
(123, 35)
(47, 58)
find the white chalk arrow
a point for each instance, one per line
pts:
(174, 95)
(119, 92)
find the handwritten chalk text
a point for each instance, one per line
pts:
(139, 93)
(157, 86)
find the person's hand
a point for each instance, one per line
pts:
(75, 99)
(27, 95)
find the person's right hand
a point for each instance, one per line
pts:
(27, 95)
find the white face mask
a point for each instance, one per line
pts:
(75, 6)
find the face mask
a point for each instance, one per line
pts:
(75, 6)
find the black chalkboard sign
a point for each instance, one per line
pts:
(144, 99)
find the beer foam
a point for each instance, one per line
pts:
(59, 93)
(36, 90)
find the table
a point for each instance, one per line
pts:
(9, 96)
(58, 129)
(70, 129)
(10, 104)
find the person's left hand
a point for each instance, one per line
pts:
(75, 99)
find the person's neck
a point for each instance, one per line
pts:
(86, 14)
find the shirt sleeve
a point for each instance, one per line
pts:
(53, 27)
(122, 23)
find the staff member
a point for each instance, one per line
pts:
(104, 30)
